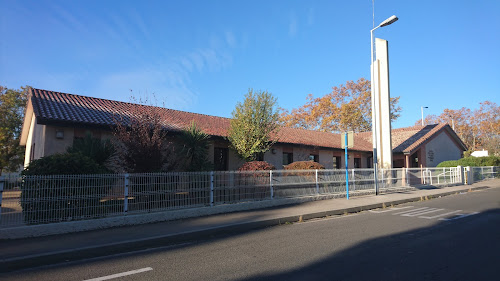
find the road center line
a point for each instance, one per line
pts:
(441, 215)
(121, 274)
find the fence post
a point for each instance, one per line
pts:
(211, 188)
(382, 177)
(125, 193)
(470, 175)
(353, 180)
(317, 185)
(461, 174)
(407, 180)
(271, 183)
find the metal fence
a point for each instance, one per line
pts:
(51, 199)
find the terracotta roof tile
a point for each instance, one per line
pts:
(50, 106)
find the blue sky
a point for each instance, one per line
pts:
(203, 56)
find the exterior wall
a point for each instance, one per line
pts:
(301, 154)
(29, 142)
(55, 145)
(36, 140)
(46, 143)
(399, 161)
(441, 148)
(326, 158)
(276, 158)
(234, 160)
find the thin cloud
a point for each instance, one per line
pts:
(170, 81)
(66, 19)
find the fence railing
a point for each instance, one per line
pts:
(51, 199)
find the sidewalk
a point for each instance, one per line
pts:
(30, 252)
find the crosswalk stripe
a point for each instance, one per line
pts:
(461, 216)
(414, 214)
(411, 211)
(441, 215)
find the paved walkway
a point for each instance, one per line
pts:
(24, 253)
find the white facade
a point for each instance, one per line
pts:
(441, 148)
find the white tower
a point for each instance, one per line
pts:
(382, 104)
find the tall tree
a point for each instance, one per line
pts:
(254, 122)
(346, 108)
(12, 105)
(478, 129)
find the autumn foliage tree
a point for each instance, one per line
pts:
(12, 104)
(478, 129)
(253, 123)
(141, 142)
(346, 108)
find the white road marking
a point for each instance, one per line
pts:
(460, 216)
(414, 214)
(441, 215)
(425, 210)
(121, 274)
(390, 209)
(411, 211)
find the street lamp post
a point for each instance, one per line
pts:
(422, 109)
(386, 22)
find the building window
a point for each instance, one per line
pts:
(287, 158)
(314, 157)
(336, 162)
(357, 163)
(59, 134)
(32, 153)
(221, 159)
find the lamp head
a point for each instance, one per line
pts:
(389, 21)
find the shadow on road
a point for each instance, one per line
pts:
(442, 252)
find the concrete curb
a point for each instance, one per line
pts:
(18, 263)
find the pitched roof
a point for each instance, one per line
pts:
(56, 107)
(408, 139)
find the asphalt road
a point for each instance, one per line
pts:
(451, 238)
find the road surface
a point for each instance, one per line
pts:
(451, 238)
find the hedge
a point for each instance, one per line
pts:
(472, 161)
(304, 165)
(256, 166)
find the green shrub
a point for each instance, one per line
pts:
(304, 165)
(98, 150)
(47, 197)
(450, 163)
(472, 161)
(256, 166)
